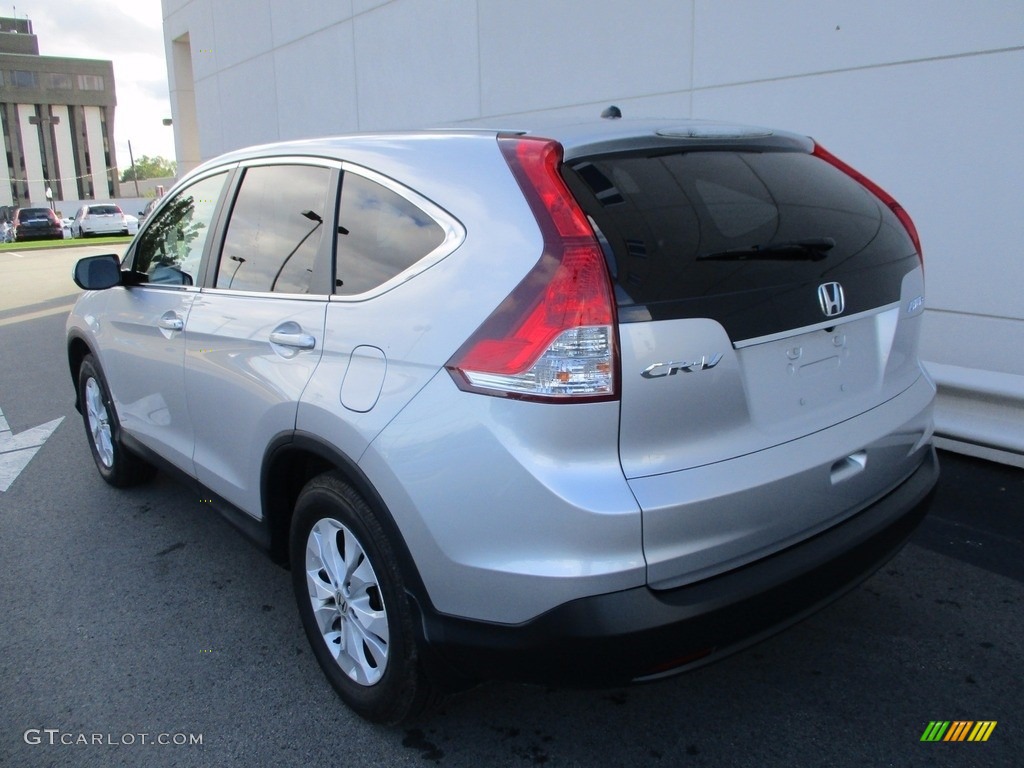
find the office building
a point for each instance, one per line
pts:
(58, 123)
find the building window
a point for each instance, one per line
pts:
(23, 79)
(59, 81)
(90, 82)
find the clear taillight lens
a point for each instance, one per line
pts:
(553, 338)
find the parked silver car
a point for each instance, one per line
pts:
(596, 403)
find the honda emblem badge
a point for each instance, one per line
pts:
(831, 299)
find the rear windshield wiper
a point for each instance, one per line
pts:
(811, 249)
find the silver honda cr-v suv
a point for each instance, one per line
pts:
(586, 405)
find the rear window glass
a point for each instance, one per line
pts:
(34, 213)
(686, 229)
(100, 210)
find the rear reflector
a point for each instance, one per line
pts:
(553, 338)
(877, 191)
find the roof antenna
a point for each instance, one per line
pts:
(611, 113)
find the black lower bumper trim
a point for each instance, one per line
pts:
(641, 633)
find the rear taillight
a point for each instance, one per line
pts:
(553, 338)
(877, 191)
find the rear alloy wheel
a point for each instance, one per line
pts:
(116, 464)
(353, 605)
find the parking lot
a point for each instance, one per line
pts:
(140, 629)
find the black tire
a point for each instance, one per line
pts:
(383, 687)
(116, 464)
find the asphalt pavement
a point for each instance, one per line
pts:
(133, 618)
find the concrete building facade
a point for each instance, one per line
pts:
(57, 118)
(922, 96)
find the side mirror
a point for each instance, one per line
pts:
(95, 273)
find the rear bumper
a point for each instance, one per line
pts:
(640, 633)
(39, 234)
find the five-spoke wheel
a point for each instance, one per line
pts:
(117, 465)
(346, 600)
(352, 600)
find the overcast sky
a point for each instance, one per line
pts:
(131, 35)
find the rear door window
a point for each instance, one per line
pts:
(275, 228)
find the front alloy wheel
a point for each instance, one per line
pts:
(97, 423)
(116, 464)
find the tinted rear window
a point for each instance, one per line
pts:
(691, 235)
(102, 210)
(381, 235)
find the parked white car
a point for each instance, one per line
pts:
(100, 219)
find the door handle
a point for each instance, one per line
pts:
(170, 322)
(295, 340)
(846, 468)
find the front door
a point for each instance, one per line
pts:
(143, 338)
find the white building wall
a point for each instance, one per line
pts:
(923, 96)
(6, 197)
(65, 155)
(94, 136)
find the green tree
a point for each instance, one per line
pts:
(147, 167)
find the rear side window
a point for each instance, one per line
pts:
(380, 234)
(715, 234)
(170, 248)
(275, 229)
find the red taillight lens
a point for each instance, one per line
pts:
(877, 191)
(553, 338)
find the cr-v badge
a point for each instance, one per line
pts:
(657, 370)
(832, 299)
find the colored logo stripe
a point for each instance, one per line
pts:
(935, 731)
(958, 730)
(982, 730)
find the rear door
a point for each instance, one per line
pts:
(255, 333)
(759, 299)
(769, 308)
